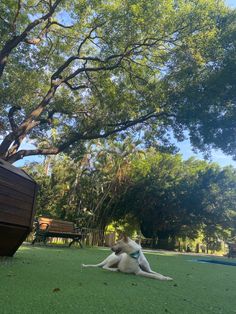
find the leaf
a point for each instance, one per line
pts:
(56, 290)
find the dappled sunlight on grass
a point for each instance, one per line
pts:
(26, 247)
(160, 253)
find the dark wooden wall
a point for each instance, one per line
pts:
(17, 196)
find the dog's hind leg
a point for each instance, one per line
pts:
(109, 261)
(95, 265)
(110, 268)
(152, 275)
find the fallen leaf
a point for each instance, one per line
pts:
(56, 290)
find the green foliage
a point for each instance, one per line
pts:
(172, 198)
(208, 95)
(95, 69)
(57, 180)
(169, 198)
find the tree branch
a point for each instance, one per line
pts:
(75, 87)
(32, 152)
(61, 25)
(31, 121)
(45, 31)
(89, 36)
(11, 118)
(28, 124)
(83, 137)
(15, 40)
(6, 143)
(122, 126)
(16, 15)
(95, 69)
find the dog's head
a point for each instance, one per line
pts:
(125, 245)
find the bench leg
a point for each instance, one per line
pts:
(76, 240)
(81, 246)
(35, 239)
(44, 240)
(73, 241)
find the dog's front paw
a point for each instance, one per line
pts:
(83, 265)
(167, 278)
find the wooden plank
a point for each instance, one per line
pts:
(54, 221)
(43, 219)
(52, 225)
(14, 216)
(15, 170)
(61, 228)
(11, 237)
(61, 222)
(63, 235)
(11, 202)
(44, 222)
(4, 206)
(56, 225)
(61, 225)
(15, 186)
(16, 183)
(29, 199)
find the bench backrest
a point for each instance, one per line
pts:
(56, 225)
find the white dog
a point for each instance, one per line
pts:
(128, 258)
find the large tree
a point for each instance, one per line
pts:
(74, 71)
(171, 198)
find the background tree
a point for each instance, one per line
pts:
(174, 199)
(84, 190)
(91, 70)
(57, 179)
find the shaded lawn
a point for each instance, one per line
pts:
(50, 280)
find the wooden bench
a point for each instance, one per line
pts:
(232, 249)
(52, 228)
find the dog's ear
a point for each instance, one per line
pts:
(125, 238)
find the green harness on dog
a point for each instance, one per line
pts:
(135, 254)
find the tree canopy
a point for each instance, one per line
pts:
(175, 198)
(75, 71)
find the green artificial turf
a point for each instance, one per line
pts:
(50, 280)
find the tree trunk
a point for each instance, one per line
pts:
(166, 241)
